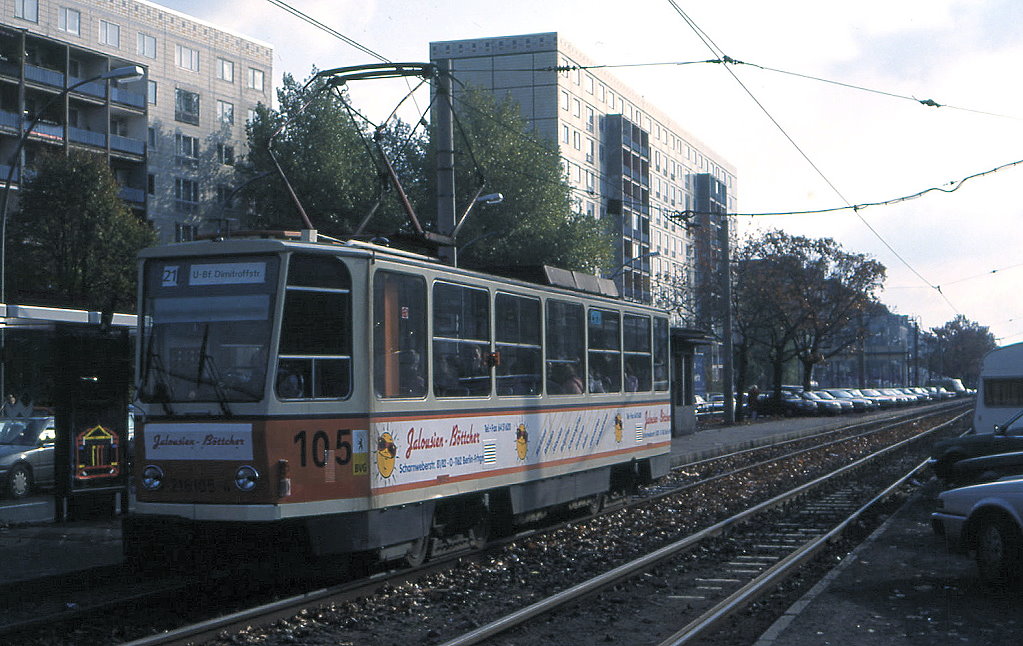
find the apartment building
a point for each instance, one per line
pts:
(187, 131)
(624, 158)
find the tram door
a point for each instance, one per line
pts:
(93, 374)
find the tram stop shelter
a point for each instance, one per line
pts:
(68, 373)
(684, 342)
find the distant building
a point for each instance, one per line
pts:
(172, 138)
(624, 159)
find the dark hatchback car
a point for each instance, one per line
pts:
(1007, 438)
(26, 454)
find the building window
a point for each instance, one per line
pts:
(256, 79)
(186, 106)
(564, 100)
(152, 138)
(147, 45)
(251, 116)
(187, 58)
(225, 70)
(225, 112)
(69, 20)
(151, 184)
(576, 108)
(185, 147)
(225, 154)
(109, 33)
(186, 195)
(151, 91)
(27, 10)
(564, 134)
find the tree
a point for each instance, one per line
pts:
(328, 161)
(74, 242)
(800, 298)
(338, 174)
(957, 349)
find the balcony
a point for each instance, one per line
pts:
(88, 137)
(9, 121)
(44, 76)
(127, 145)
(133, 195)
(49, 131)
(5, 169)
(97, 89)
(127, 97)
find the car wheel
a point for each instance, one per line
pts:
(999, 549)
(19, 481)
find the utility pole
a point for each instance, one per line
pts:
(444, 134)
(728, 376)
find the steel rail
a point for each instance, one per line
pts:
(644, 563)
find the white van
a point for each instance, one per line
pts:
(1000, 392)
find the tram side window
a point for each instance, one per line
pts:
(315, 353)
(604, 345)
(399, 335)
(566, 348)
(461, 341)
(636, 344)
(517, 339)
(661, 356)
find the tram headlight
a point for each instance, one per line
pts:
(152, 477)
(245, 478)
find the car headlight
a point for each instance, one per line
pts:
(245, 478)
(152, 477)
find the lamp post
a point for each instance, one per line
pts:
(622, 267)
(127, 73)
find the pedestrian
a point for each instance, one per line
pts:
(753, 402)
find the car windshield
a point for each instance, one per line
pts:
(824, 395)
(26, 432)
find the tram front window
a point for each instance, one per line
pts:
(206, 330)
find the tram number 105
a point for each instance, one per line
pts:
(318, 449)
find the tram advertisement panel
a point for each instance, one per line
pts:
(416, 451)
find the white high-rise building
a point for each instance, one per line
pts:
(624, 158)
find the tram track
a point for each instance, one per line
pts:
(742, 561)
(391, 585)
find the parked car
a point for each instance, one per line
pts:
(824, 406)
(986, 468)
(1006, 438)
(860, 404)
(794, 405)
(26, 454)
(847, 406)
(986, 520)
(883, 401)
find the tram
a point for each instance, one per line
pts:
(327, 397)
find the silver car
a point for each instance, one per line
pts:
(987, 520)
(26, 454)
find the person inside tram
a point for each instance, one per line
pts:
(571, 384)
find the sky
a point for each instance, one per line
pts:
(797, 144)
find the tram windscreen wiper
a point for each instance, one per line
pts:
(215, 381)
(161, 390)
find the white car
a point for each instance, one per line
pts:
(987, 520)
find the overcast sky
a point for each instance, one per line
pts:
(857, 146)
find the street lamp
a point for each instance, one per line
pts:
(127, 73)
(622, 267)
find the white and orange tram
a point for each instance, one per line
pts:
(342, 397)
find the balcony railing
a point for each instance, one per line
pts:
(48, 131)
(44, 76)
(4, 169)
(95, 88)
(136, 195)
(78, 135)
(8, 121)
(128, 145)
(127, 97)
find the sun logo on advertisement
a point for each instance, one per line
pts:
(618, 429)
(386, 450)
(521, 441)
